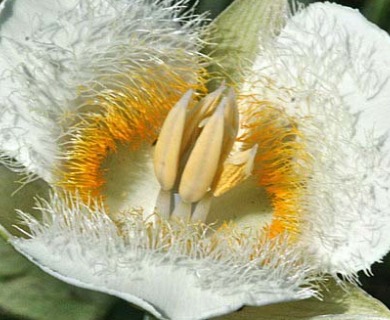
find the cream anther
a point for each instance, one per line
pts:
(167, 151)
(202, 165)
(191, 152)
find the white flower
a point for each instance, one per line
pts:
(245, 200)
(329, 70)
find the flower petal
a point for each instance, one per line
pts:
(24, 133)
(329, 69)
(130, 181)
(152, 267)
(78, 47)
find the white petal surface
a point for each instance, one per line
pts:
(330, 68)
(168, 291)
(24, 133)
(49, 50)
(131, 183)
(152, 270)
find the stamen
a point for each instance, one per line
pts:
(231, 123)
(202, 209)
(167, 152)
(203, 162)
(231, 113)
(235, 170)
(196, 115)
(191, 152)
(164, 203)
(182, 210)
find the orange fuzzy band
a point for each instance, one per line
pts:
(130, 114)
(282, 164)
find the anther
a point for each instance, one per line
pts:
(198, 115)
(194, 161)
(236, 169)
(203, 162)
(167, 151)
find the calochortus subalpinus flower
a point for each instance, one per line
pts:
(187, 202)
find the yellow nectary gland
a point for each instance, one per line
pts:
(130, 113)
(282, 165)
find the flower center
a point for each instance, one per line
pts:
(213, 162)
(196, 156)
